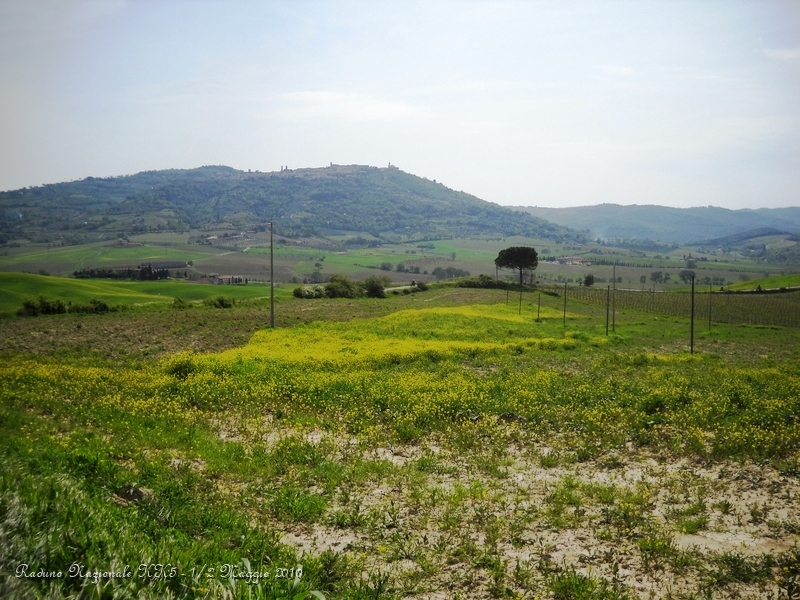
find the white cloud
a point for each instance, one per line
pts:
(782, 53)
(350, 106)
(617, 70)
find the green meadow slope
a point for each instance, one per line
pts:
(767, 283)
(17, 287)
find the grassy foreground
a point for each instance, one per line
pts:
(442, 450)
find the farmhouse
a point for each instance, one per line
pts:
(218, 279)
(573, 260)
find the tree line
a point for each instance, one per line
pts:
(141, 273)
(46, 306)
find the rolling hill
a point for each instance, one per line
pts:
(386, 203)
(665, 224)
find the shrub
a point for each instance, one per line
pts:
(449, 273)
(99, 306)
(180, 304)
(29, 309)
(308, 293)
(341, 286)
(94, 306)
(481, 281)
(51, 307)
(374, 287)
(181, 365)
(221, 302)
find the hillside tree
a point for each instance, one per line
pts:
(521, 258)
(341, 286)
(375, 286)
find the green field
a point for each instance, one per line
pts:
(162, 239)
(16, 287)
(296, 260)
(439, 443)
(66, 259)
(768, 283)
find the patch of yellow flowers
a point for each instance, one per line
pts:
(430, 369)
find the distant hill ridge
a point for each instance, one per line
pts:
(666, 224)
(386, 203)
(738, 238)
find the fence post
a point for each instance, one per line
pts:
(565, 304)
(608, 301)
(614, 299)
(539, 309)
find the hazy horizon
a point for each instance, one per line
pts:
(523, 104)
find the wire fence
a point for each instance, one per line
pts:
(781, 309)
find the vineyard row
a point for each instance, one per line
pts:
(752, 309)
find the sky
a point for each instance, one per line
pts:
(519, 103)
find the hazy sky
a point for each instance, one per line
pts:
(532, 103)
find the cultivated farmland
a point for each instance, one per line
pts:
(444, 446)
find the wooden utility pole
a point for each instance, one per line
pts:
(691, 335)
(271, 281)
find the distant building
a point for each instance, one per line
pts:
(573, 260)
(218, 279)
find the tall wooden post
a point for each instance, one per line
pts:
(608, 302)
(565, 304)
(691, 335)
(271, 281)
(710, 294)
